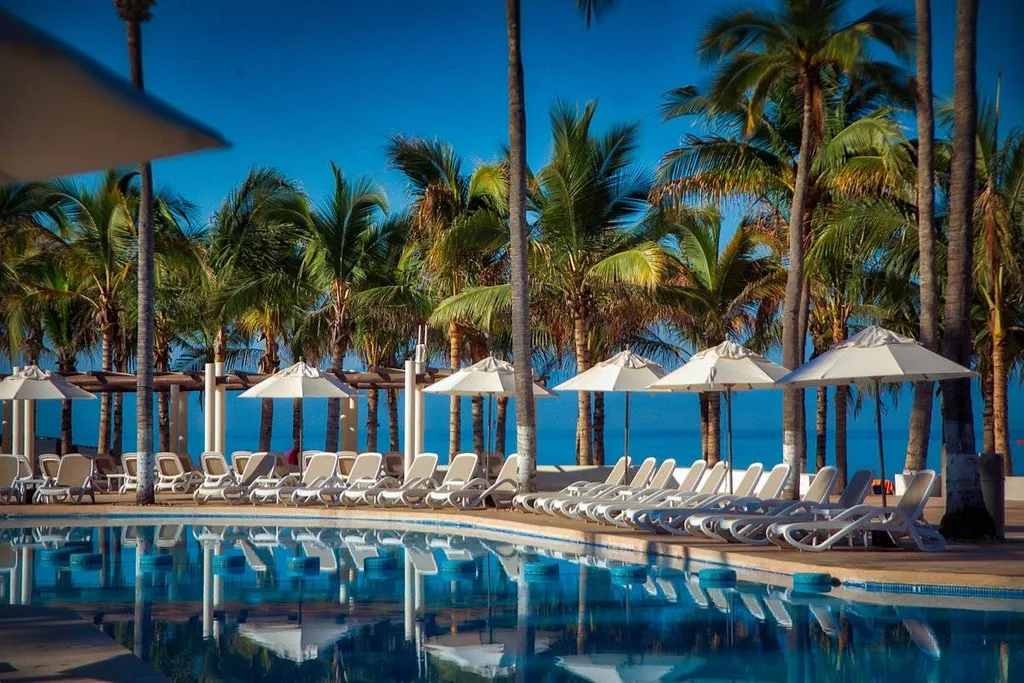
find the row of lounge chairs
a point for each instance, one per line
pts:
(752, 514)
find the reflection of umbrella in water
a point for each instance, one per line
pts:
(620, 668)
(299, 641)
(487, 659)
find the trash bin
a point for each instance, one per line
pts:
(993, 489)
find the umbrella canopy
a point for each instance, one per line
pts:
(727, 365)
(876, 354)
(36, 384)
(298, 642)
(65, 113)
(617, 668)
(490, 376)
(625, 371)
(489, 660)
(300, 381)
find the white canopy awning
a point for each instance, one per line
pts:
(727, 365)
(300, 381)
(625, 371)
(489, 377)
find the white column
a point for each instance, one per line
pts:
(209, 410)
(409, 407)
(17, 424)
(30, 433)
(13, 591)
(421, 352)
(6, 418)
(218, 581)
(409, 600)
(182, 409)
(350, 424)
(27, 577)
(207, 591)
(172, 417)
(221, 405)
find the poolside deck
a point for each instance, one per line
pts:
(979, 565)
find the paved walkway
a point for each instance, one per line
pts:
(42, 644)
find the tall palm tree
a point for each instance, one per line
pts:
(134, 13)
(343, 237)
(966, 516)
(758, 51)
(444, 198)
(921, 414)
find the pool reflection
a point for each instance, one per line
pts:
(319, 604)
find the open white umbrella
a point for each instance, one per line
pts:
(493, 659)
(724, 368)
(65, 113)
(32, 383)
(300, 381)
(490, 377)
(620, 668)
(875, 356)
(296, 641)
(626, 372)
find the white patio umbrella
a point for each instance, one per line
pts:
(490, 377)
(875, 356)
(32, 383)
(470, 652)
(723, 368)
(65, 113)
(626, 372)
(619, 668)
(300, 381)
(297, 641)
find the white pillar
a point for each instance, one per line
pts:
(409, 600)
(350, 424)
(209, 410)
(218, 581)
(409, 406)
(6, 443)
(221, 405)
(421, 352)
(30, 433)
(17, 424)
(172, 417)
(207, 591)
(182, 409)
(27, 577)
(13, 591)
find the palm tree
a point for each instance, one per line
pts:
(966, 516)
(444, 200)
(134, 13)
(921, 415)
(756, 53)
(342, 240)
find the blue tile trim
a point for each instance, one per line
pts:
(943, 591)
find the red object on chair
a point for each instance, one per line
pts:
(293, 456)
(876, 486)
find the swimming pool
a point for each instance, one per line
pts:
(283, 603)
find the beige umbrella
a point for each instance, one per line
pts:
(626, 372)
(723, 368)
(875, 356)
(65, 113)
(32, 383)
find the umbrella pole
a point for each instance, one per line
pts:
(878, 429)
(625, 444)
(728, 424)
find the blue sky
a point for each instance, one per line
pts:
(297, 84)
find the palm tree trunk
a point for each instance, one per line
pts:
(988, 434)
(477, 415)
(372, 403)
(1000, 406)
(107, 364)
(121, 365)
(821, 429)
(334, 404)
(454, 404)
(921, 413)
(268, 364)
(714, 428)
(841, 399)
(392, 398)
(584, 455)
(702, 402)
(966, 516)
(500, 422)
(163, 421)
(266, 423)
(146, 287)
(526, 415)
(66, 438)
(599, 420)
(297, 426)
(791, 342)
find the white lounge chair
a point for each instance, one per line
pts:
(239, 459)
(687, 486)
(752, 529)
(706, 524)
(477, 492)
(216, 471)
(130, 465)
(74, 481)
(236, 490)
(173, 474)
(319, 472)
(706, 497)
(9, 470)
(637, 517)
(640, 481)
(421, 474)
(460, 471)
(657, 486)
(905, 521)
(49, 463)
(528, 501)
(365, 473)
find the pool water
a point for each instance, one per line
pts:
(242, 603)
